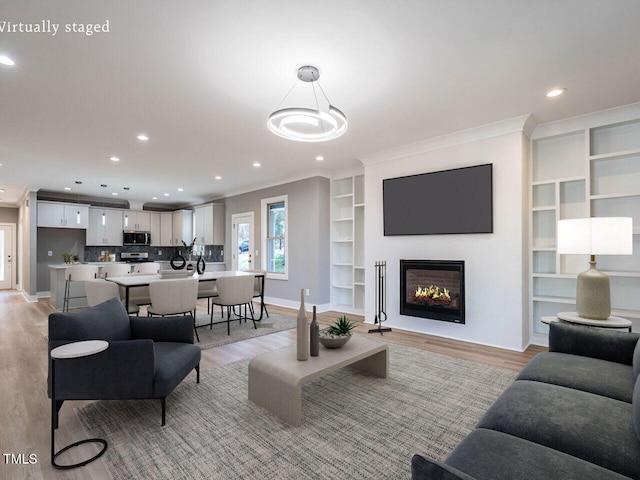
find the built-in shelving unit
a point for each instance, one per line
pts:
(347, 244)
(592, 171)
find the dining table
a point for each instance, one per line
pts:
(143, 280)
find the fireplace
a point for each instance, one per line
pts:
(432, 289)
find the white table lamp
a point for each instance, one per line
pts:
(595, 236)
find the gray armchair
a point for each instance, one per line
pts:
(146, 358)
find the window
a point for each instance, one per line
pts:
(274, 235)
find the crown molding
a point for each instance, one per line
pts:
(522, 123)
(588, 120)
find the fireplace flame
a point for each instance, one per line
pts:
(433, 294)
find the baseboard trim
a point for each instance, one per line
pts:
(282, 302)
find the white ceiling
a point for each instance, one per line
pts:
(200, 77)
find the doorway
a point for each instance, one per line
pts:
(242, 241)
(7, 254)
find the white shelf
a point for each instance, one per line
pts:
(615, 155)
(558, 180)
(344, 195)
(605, 196)
(548, 299)
(590, 172)
(543, 209)
(347, 244)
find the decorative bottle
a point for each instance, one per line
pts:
(314, 335)
(303, 330)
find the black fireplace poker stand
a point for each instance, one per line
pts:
(381, 298)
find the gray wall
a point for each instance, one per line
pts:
(56, 240)
(9, 215)
(308, 237)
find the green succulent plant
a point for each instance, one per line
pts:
(342, 326)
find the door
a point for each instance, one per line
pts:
(242, 239)
(7, 254)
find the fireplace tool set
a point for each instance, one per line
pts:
(381, 298)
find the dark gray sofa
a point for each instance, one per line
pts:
(146, 358)
(572, 413)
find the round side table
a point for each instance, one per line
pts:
(572, 317)
(66, 353)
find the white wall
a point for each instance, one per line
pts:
(496, 287)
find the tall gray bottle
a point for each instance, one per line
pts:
(302, 330)
(314, 336)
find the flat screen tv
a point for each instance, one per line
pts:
(445, 202)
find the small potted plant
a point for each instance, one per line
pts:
(68, 257)
(336, 335)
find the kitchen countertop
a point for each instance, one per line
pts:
(66, 265)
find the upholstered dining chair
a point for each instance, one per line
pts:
(207, 290)
(174, 297)
(258, 289)
(100, 290)
(76, 274)
(115, 270)
(140, 295)
(147, 267)
(234, 291)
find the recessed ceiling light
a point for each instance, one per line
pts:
(154, 198)
(218, 177)
(4, 60)
(142, 137)
(256, 164)
(319, 158)
(114, 194)
(114, 159)
(166, 194)
(1, 190)
(180, 189)
(67, 188)
(556, 92)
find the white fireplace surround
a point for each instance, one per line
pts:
(495, 264)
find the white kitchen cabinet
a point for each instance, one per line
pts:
(166, 229)
(133, 220)
(154, 228)
(105, 227)
(63, 215)
(182, 227)
(209, 224)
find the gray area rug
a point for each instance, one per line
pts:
(353, 426)
(218, 335)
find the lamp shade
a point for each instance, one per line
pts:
(596, 236)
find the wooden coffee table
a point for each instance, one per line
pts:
(276, 378)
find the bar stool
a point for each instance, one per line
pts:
(76, 273)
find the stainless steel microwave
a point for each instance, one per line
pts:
(130, 237)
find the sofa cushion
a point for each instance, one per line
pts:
(174, 361)
(594, 428)
(611, 379)
(636, 407)
(106, 321)
(636, 360)
(489, 455)
(424, 468)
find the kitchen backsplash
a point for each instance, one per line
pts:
(213, 253)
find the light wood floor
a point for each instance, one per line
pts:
(25, 410)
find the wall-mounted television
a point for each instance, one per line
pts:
(436, 203)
